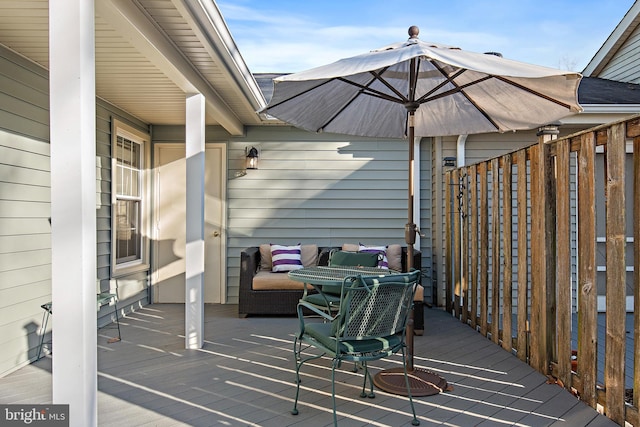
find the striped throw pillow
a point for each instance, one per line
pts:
(285, 258)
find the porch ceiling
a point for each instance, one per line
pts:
(149, 54)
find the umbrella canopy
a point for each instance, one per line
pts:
(417, 88)
(452, 91)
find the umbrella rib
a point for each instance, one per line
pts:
(304, 92)
(449, 79)
(533, 92)
(366, 90)
(460, 89)
(379, 77)
(363, 90)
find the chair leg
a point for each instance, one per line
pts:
(43, 330)
(296, 358)
(299, 361)
(367, 376)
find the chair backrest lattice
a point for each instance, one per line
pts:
(375, 306)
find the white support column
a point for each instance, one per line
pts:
(194, 297)
(73, 207)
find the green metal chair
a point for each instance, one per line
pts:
(370, 325)
(329, 299)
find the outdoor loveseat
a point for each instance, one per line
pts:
(263, 292)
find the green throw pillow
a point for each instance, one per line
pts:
(350, 259)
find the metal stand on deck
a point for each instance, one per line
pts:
(101, 299)
(421, 381)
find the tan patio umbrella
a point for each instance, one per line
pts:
(419, 89)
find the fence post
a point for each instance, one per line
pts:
(473, 277)
(463, 201)
(562, 352)
(616, 274)
(495, 251)
(507, 244)
(448, 267)
(484, 248)
(543, 251)
(636, 276)
(523, 260)
(587, 292)
(457, 237)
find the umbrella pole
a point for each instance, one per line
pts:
(421, 381)
(410, 228)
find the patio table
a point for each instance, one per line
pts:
(334, 276)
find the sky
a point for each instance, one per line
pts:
(285, 36)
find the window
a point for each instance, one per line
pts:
(128, 190)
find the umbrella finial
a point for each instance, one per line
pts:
(413, 32)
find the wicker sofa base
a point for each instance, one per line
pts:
(280, 302)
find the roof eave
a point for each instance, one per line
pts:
(615, 40)
(209, 18)
(595, 114)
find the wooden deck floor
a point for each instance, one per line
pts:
(244, 377)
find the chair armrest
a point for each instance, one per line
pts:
(302, 307)
(323, 256)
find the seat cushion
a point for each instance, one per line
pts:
(321, 332)
(266, 280)
(317, 299)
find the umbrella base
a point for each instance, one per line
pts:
(421, 382)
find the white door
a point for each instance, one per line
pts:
(169, 240)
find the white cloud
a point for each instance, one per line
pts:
(277, 37)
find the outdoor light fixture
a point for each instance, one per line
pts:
(252, 157)
(449, 162)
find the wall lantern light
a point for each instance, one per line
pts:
(252, 157)
(449, 162)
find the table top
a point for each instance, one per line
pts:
(334, 276)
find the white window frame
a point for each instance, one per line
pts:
(121, 129)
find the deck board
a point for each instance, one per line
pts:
(243, 376)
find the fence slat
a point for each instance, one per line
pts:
(473, 282)
(456, 245)
(507, 245)
(448, 243)
(484, 249)
(563, 222)
(495, 251)
(616, 274)
(464, 249)
(537, 263)
(523, 260)
(636, 278)
(587, 299)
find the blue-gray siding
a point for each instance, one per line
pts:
(25, 196)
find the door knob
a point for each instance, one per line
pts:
(215, 234)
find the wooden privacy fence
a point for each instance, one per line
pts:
(521, 227)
